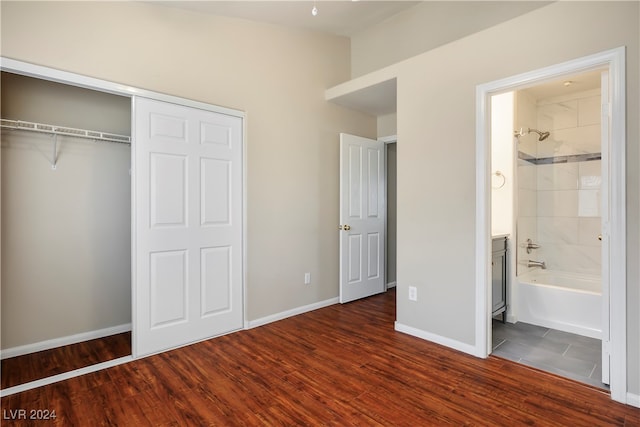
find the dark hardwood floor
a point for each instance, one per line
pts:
(341, 365)
(34, 366)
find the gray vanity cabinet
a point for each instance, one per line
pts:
(499, 276)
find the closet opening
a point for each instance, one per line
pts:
(65, 228)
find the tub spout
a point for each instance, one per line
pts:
(532, 263)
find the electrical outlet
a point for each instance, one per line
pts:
(413, 293)
(307, 278)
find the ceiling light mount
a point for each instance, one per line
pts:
(314, 11)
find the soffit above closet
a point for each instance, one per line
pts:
(376, 98)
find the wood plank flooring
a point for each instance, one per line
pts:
(42, 364)
(342, 365)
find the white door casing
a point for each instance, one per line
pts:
(605, 135)
(615, 231)
(188, 163)
(362, 217)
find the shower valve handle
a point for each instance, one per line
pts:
(530, 245)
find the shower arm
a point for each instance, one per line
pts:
(541, 135)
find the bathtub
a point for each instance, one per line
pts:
(567, 302)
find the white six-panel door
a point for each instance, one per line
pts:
(188, 242)
(362, 217)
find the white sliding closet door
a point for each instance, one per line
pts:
(188, 232)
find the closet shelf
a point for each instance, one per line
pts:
(66, 131)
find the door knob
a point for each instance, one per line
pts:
(599, 236)
(346, 227)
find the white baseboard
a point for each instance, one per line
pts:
(293, 312)
(633, 400)
(62, 341)
(447, 342)
(64, 376)
(391, 285)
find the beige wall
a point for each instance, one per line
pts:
(276, 75)
(436, 174)
(66, 234)
(426, 26)
(387, 125)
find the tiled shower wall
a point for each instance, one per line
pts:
(559, 186)
(527, 216)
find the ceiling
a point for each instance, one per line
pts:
(344, 18)
(578, 83)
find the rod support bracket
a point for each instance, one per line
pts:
(54, 157)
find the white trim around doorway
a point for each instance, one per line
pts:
(391, 139)
(614, 61)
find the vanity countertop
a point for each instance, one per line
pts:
(500, 236)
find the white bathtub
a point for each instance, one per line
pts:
(567, 302)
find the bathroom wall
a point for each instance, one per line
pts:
(526, 114)
(502, 112)
(568, 196)
(559, 186)
(502, 183)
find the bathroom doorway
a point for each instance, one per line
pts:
(611, 192)
(547, 140)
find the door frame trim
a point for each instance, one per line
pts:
(73, 79)
(391, 139)
(614, 61)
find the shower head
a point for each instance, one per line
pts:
(541, 135)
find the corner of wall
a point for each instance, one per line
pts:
(387, 125)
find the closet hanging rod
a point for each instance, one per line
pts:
(63, 130)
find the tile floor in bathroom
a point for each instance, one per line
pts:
(569, 355)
